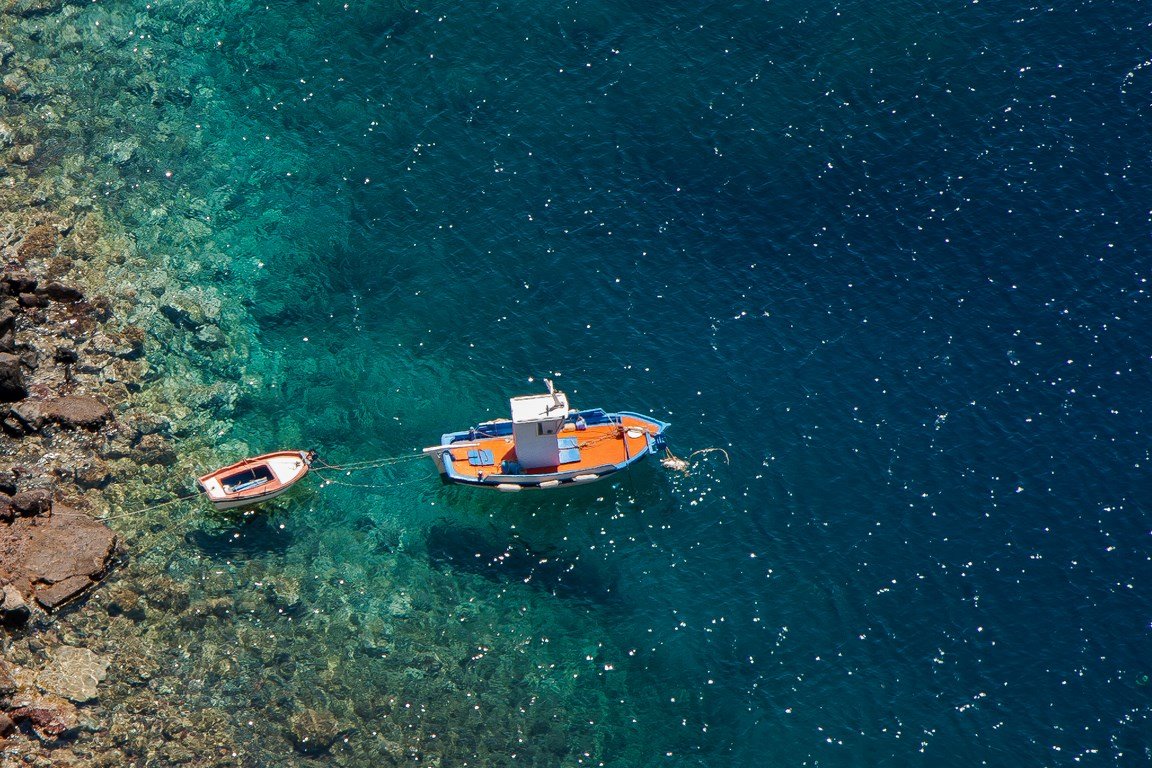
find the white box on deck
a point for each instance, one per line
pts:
(536, 420)
(532, 408)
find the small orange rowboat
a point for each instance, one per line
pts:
(257, 479)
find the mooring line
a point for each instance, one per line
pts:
(135, 512)
(325, 480)
(354, 466)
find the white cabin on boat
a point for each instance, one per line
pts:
(536, 424)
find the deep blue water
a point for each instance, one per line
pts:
(891, 256)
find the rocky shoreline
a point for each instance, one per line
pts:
(63, 366)
(69, 367)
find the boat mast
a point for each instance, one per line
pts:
(555, 397)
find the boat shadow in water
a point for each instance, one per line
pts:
(507, 557)
(240, 534)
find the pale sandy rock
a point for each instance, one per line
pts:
(74, 673)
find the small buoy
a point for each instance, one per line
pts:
(508, 487)
(635, 433)
(549, 483)
(585, 478)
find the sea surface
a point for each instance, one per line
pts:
(891, 257)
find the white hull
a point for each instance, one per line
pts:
(255, 480)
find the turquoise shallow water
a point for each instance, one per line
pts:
(893, 258)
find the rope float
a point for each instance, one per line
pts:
(676, 464)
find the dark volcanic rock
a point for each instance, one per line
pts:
(7, 511)
(32, 300)
(33, 502)
(7, 329)
(65, 293)
(24, 418)
(66, 356)
(78, 411)
(12, 387)
(29, 358)
(16, 283)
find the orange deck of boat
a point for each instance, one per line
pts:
(599, 445)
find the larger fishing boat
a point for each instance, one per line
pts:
(546, 445)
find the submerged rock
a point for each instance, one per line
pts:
(39, 243)
(155, 449)
(313, 731)
(91, 473)
(33, 7)
(51, 716)
(126, 346)
(184, 313)
(168, 595)
(8, 683)
(74, 673)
